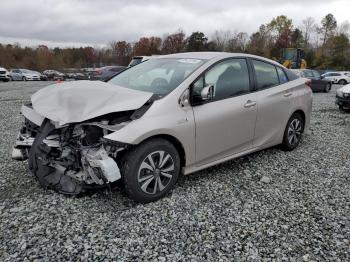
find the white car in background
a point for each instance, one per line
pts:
(341, 78)
(343, 97)
(24, 75)
(4, 75)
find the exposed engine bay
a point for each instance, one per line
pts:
(74, 157)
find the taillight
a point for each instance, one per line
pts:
(308, 83)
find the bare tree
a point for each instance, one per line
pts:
(221, 39)
(308, 28)
(344, 28)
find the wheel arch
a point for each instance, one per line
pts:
(173, 140)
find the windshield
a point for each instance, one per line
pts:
(158, 76)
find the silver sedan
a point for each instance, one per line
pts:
(172, 114)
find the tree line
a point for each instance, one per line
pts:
(326, 46)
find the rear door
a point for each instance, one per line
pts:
(274, 95)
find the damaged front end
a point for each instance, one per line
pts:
(74, 157)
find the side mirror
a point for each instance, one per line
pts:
(184, 99)
(207, 92)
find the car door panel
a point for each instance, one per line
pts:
(228, 130)
(274, 96)
(224, 124)
(273, 110)
(318, 85)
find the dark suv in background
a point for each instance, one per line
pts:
(106, 72)
(317, 83)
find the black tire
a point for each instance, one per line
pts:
(132, 170)
(24, 78)
(342, 82)
(328, 88)
(288, 144)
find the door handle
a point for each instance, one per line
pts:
(287, 94)
(250, 104)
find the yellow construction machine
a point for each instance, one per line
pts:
(293, 58)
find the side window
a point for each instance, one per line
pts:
(229, 78)
(266, 74)
(282, 75)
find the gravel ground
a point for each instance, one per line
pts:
(271, 205)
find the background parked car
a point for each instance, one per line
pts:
(343, 97)
(42, 76)
(54, 75)
(337, 77)
(105, 73)
(77, 76)
(317, 83)
(4, 75)
(24, 75)
(137, 60)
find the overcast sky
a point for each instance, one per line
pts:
(96, 23)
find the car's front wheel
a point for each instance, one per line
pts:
(150, 170)
(293, 132)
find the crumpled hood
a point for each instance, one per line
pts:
(72, 102)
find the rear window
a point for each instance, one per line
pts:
(266, 74)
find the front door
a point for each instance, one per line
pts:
(225, 123)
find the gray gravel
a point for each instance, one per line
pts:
(270, 205)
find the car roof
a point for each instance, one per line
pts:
(213, 55)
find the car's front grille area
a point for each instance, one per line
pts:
(2, 72)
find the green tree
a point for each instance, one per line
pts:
(340, 52)
(197, 42)
(328, 26)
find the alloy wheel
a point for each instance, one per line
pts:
(294, 131)
(156, 172)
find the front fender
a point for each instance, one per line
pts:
(179, 124)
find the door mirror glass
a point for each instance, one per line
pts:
(207, 93)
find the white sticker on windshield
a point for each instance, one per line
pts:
(189, 61)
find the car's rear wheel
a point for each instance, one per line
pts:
(293, 132)
(328, 88)
(150, 170)
(342, 82)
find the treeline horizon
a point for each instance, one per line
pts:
(326, 45)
